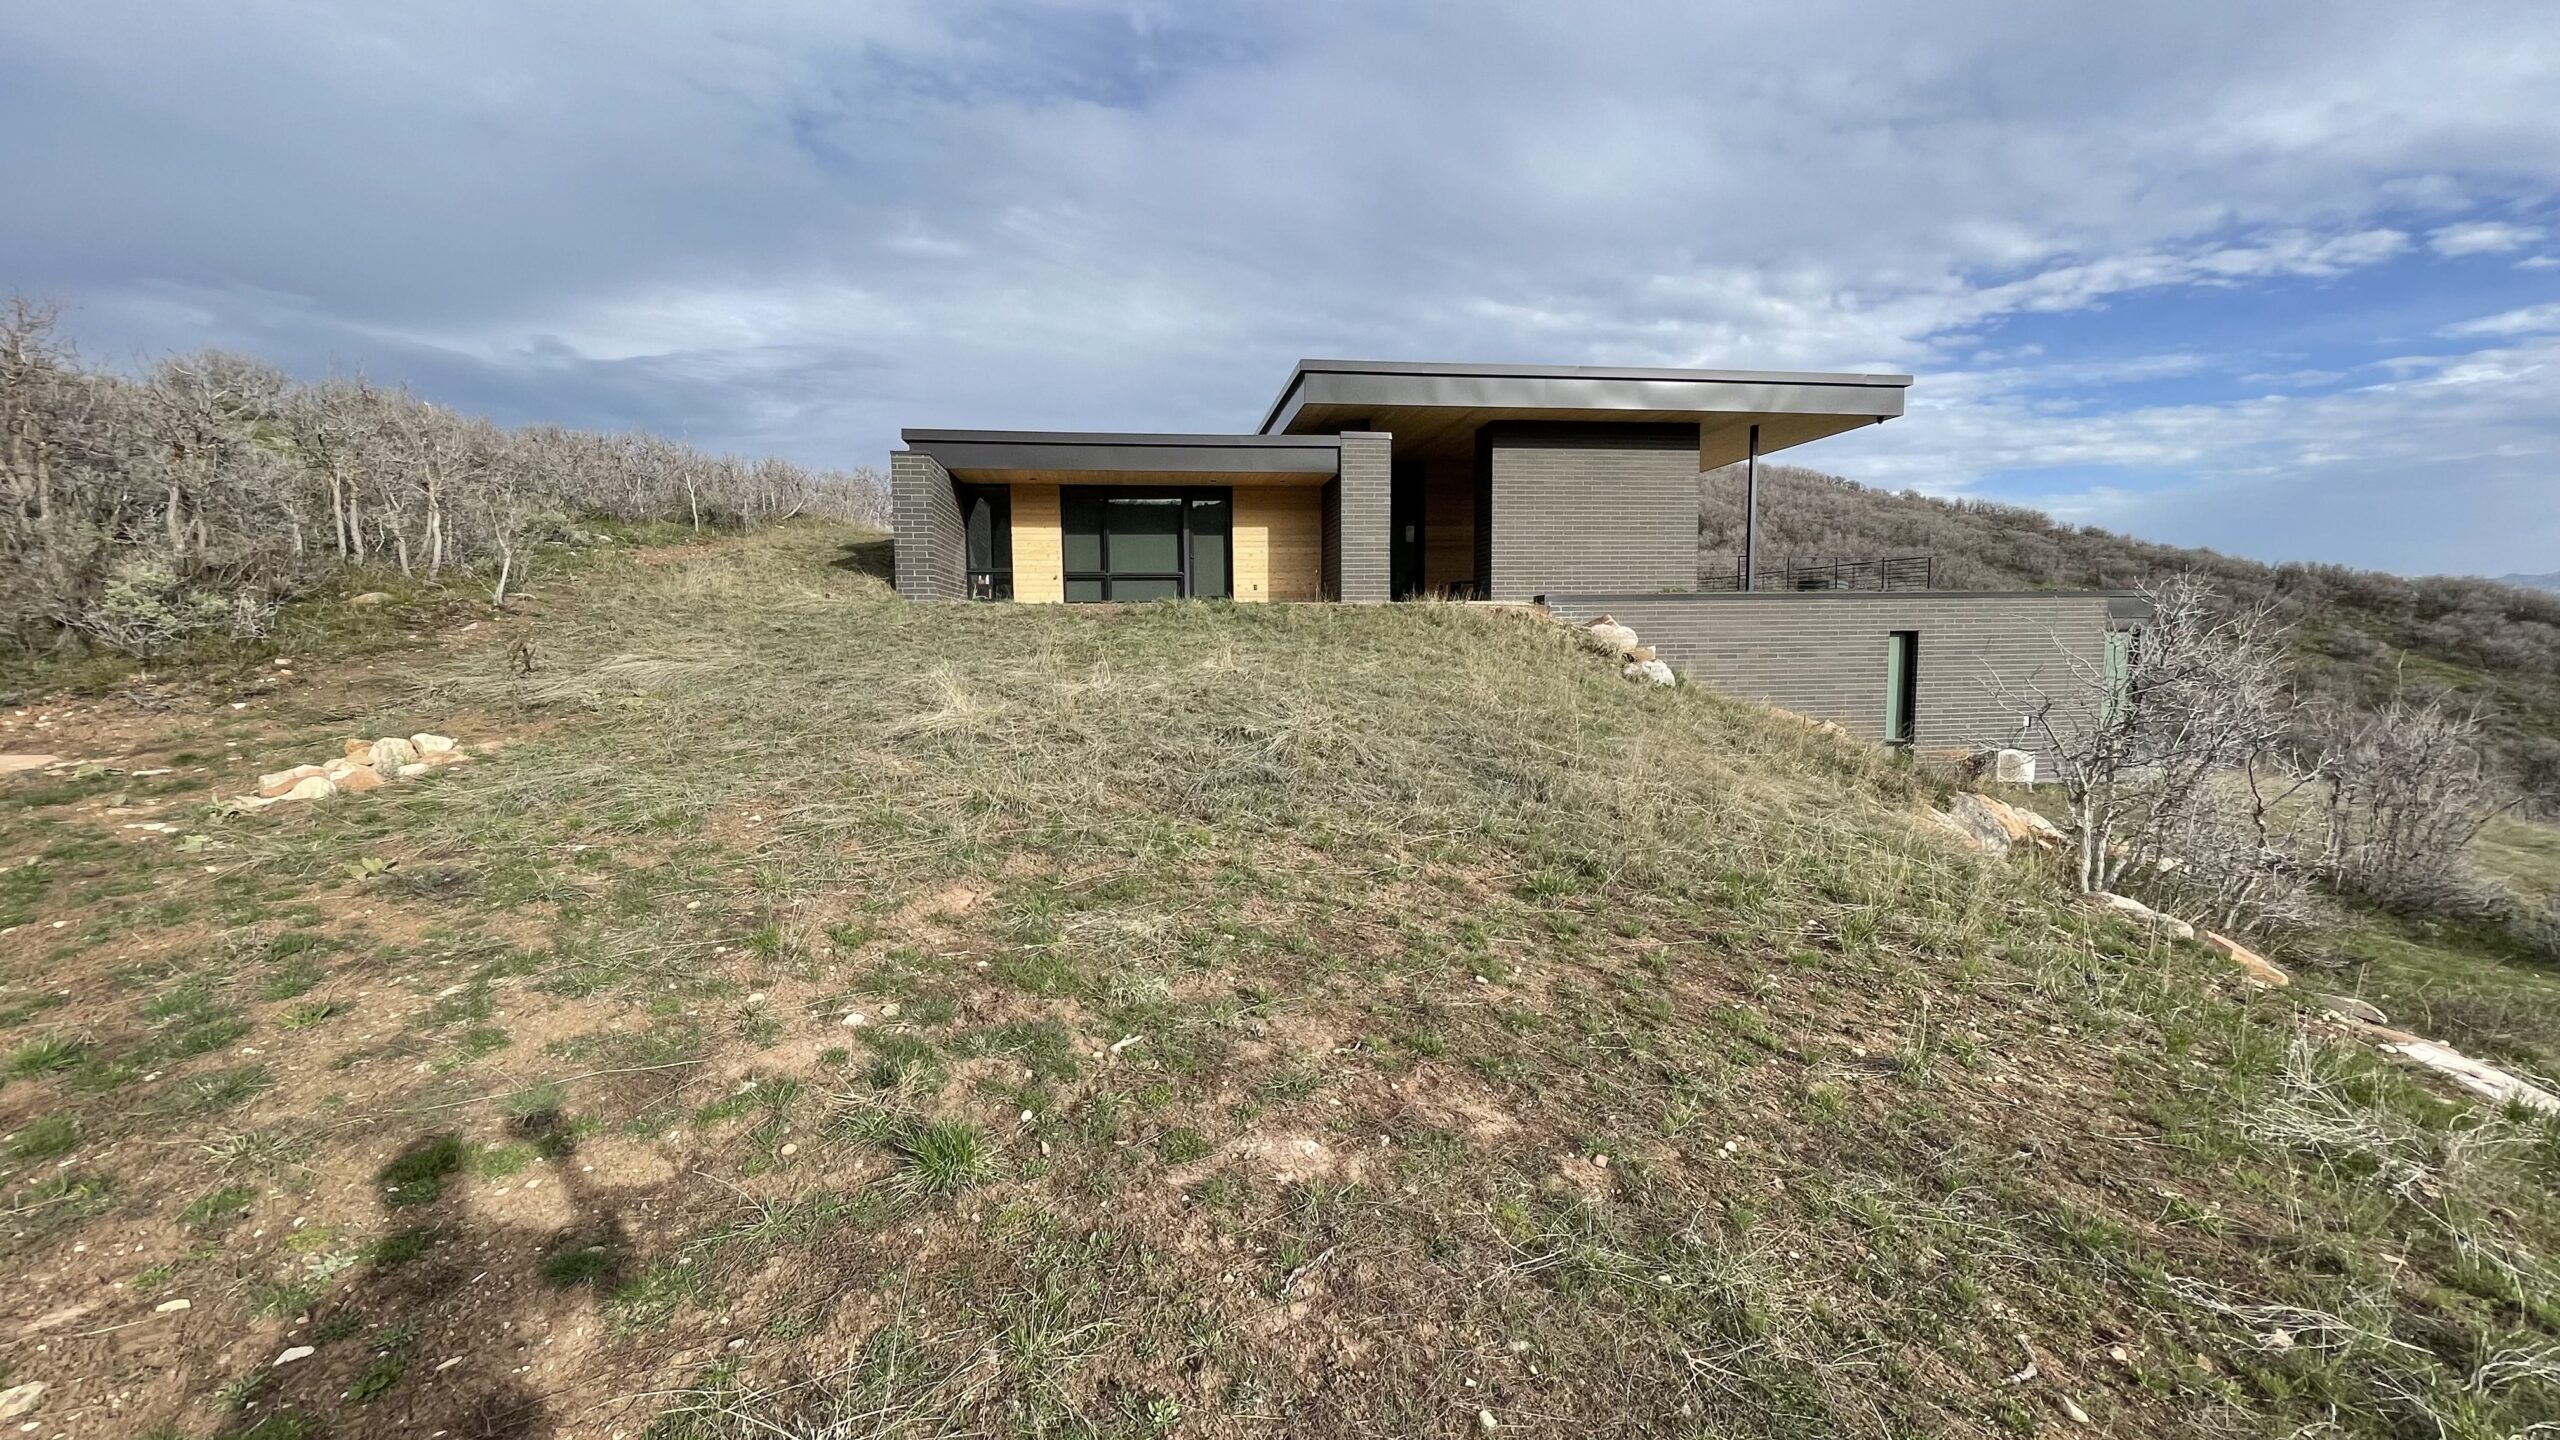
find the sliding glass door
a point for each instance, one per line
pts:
(1146, 544)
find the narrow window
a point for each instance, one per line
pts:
(1901, 686)
(2114, 699)
(986, 513)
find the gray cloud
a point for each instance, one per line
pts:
(797, 227)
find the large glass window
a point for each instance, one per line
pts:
(986, 513)
(1145, 544)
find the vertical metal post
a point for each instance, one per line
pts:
(1751, 514)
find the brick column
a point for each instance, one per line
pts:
(932, 545)
(1362, 519)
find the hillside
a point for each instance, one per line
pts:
(2533, 582)
(813, 1014)
(2360, 632)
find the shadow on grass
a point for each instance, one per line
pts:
(876, 558)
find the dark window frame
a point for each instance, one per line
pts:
(1106, 577)
(1902, 688)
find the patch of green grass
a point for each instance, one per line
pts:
(943, 1157)
(398, 1248)
(1182, 1145)
(312, 1012)
(417, 1174)
(218, 1207)
(580, 1258)
(651, 1298)
(45, 1055)
(45, 1138)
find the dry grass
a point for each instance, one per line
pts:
(1198, 1019)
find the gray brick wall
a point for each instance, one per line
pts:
(931, 543)
(1362, 521)
(1589, 508)
(1823, 655)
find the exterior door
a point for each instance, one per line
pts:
(1131, 544)
(1404, 517)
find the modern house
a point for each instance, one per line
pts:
(1567, 486)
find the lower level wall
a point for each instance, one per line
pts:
(1823, 655)
(1588, 508)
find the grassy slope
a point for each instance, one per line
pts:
(1271, 985)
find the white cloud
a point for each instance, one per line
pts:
(2526, 321)
(2482, 237)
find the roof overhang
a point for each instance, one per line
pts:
(1434, 403)
(973, 452)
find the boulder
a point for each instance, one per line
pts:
(1972, 817)
(2479, 1077)
(2134, 909)
(2352, 1008)
(1642, 653)
(391, 752)
(314, 787)
(2013, 767)
(282, 782)
(442, 757)
(360, 751)
(1611, 636)
(369, 599)
(359, 779)
(2251, 963)
(1652, 670)
(431, 744)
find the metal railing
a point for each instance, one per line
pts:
(1892, 572)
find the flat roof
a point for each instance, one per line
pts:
(1332, 386)
(1071, 450)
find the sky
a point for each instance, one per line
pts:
(2280, 280)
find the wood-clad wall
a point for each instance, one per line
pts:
(1279, 542)
(1039, 563)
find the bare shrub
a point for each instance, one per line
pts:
(2406, 787)
(136, 514)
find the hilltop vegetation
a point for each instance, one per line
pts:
(2361, 635)
(814, 1014)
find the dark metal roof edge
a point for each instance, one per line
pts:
(1458, 370)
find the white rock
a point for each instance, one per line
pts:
(17, 1400)
(314, 787)
(855, 1020)
(1656, 671)
(298, 1352)
(1610, 635)
(2013, 767)
(391, 750)
(171, 1307)
(431, 744)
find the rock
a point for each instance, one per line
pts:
(281, 782)
(12, 764)
(1643, 652)
(1486, 1423)
(2013, 767)
(298, 1352)
(171, 1307)
(2016, 823)
(443, 757)
(369, 599)
(1973, 817)
(2251, 963)
(2480, 1078)
(1653, 670)
(18, 1400)
(1611, 636)
(358, 779)
(312, 787)
(2136, 910)
(430, 744)
(2352, 1008)
(360, 751)
(392, 751)
(412, 772)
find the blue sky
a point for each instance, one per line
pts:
(2206, 273)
